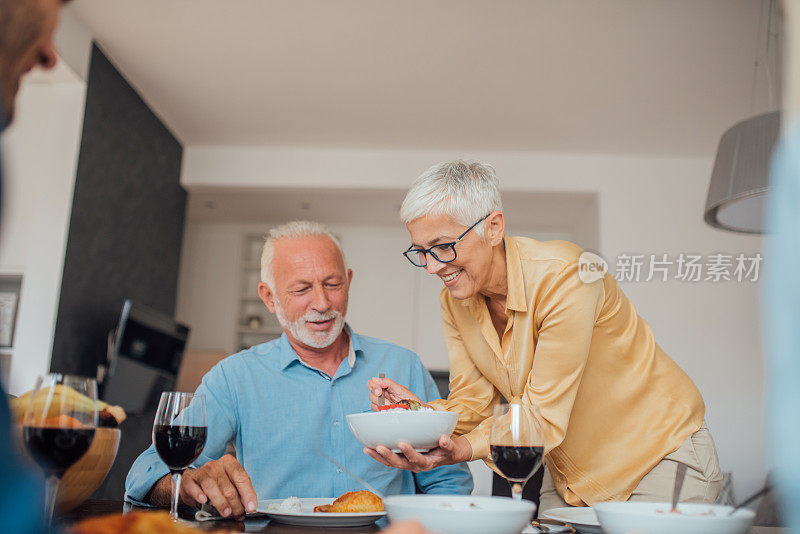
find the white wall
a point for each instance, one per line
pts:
(389, 298)
(647, 205)
(40, 152)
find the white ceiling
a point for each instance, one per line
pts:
(610, 76)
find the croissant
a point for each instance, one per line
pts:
(353, 502)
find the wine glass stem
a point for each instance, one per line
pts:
(176, 494)
(516, 491)
(51, 491)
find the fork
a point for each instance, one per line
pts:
(680, 474)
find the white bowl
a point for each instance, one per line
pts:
(461, 514)
(656, 518)
(421, 430)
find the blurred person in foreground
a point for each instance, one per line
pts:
(781, 310)
(26, 41)
(521, 323)
(280, 400)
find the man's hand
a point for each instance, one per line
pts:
(224, 483)
(391, 390)
(450, 451)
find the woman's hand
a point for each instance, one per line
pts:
(450, 451)
(391, 391)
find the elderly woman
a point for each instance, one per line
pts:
(617, 414)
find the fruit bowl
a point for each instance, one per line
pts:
(83, 478)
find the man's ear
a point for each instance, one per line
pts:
(495, 228)
(349, 277)
(266, 295)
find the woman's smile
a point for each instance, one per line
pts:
(451, 278)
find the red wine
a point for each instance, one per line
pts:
(55, 449)
(517, 463)
(179, 445)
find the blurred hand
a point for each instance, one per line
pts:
(406, 527)
(391, 390)
(450, 451)
(224, 483)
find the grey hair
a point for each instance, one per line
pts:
(463, 190)
(291, 230)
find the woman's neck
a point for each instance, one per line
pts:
(497, 288)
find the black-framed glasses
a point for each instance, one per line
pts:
(443, 252)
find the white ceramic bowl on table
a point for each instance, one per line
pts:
(461, 514)
(420, 429)
(656, 518)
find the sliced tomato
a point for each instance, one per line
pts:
(391, 407)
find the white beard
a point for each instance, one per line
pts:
(298, 329)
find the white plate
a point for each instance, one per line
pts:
(309, 518)
(582, 518)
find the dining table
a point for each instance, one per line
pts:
(92, 508)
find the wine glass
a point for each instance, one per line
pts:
(58, 427)
(179, 435)
(517, 444)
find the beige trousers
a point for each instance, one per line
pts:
(702, 484)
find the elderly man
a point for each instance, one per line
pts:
(26, 41)
(280, 400)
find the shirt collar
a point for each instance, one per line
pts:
(289, 356)
(515, 299)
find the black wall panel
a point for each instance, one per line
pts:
(126, 225)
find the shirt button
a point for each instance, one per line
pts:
(339, 470)
(336, 423)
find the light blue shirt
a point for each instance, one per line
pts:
(276, 409)
(782, 323)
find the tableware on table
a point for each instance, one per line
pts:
(309, 518)
(516, 444)
(461, 514)
(179, 435)
(350, 473)
(656, 518)
(382, 399)
(582, 518)
(680, 475)
(58, 427)
(763, 491)
(420, 429)
(547, 526)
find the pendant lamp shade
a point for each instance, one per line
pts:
(737, 193)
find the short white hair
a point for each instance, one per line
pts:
(291, 230)
(463, 190)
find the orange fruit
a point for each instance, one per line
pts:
(62, 421)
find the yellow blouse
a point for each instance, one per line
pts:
(612, 403)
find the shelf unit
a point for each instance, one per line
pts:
(255, 323)
(10, 287)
